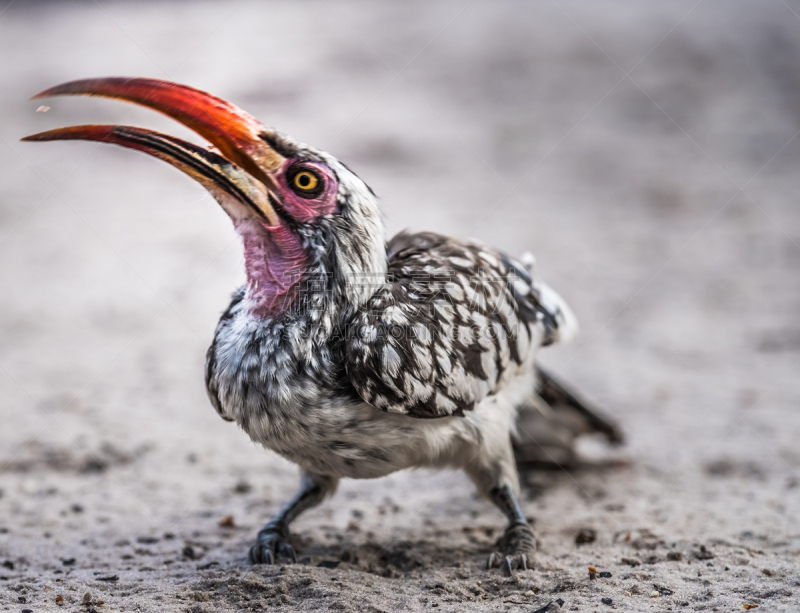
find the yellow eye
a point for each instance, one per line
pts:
(305, 181)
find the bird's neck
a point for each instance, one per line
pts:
(276, 264)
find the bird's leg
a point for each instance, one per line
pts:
(494, 472)
(273, 540)
(519, 540)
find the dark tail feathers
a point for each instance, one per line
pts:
(548, 426)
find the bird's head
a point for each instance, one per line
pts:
(308, 224)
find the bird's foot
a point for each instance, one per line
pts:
(517, 546)
(272, 543)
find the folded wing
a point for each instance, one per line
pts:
(455, 321)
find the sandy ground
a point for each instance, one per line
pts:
(644, 151)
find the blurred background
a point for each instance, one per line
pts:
(645, 152)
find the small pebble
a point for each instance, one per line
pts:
(147, 540)
(607, 601)
(227, 522)
(60, 600)
(551, 606)
(243, 487)
(605, 575)
(627, 593)
(655, 594)
(703, 554)
(585, 535)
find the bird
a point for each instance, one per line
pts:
(351, 355)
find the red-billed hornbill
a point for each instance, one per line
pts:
(349, 356)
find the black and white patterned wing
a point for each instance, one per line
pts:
(439, 337)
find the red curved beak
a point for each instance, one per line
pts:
(237, 134)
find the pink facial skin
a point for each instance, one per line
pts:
(308, 209)
(275, 261)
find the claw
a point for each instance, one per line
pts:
(288, 551)
(271, 545)
(260, 555)
(509, 563)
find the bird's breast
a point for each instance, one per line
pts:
(321, 424)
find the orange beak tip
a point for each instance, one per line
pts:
(45, 93)
(102, 133)
(70, 87)
(34, 138)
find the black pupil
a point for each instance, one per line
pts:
(304, 180)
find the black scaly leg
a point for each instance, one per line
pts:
(518, 540)
(273, 541)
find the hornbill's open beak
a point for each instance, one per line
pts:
(245, 169)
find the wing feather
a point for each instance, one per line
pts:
(438, 337)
